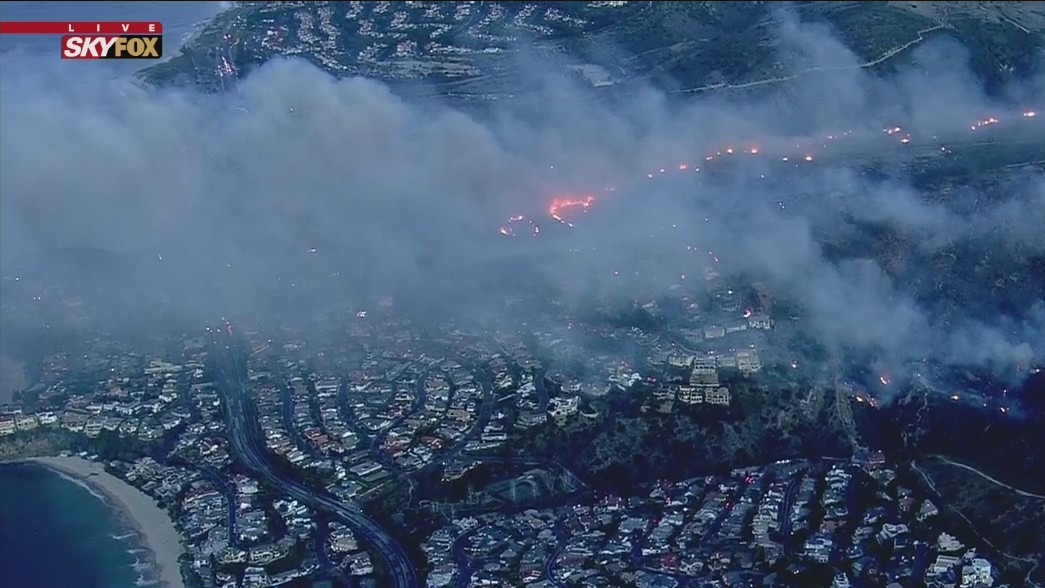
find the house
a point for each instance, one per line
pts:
(927, 510)
(736, 328)
(690, 395)
(561, 408)
(727, 361)
(704, 365)
(714, 332)
(359, 564)
(948, 543)
(680, 360)
(365, 469)
(979, 572)
(943, 563)
(759, 321)
(27, 422)
(747, 361)
(719, 396)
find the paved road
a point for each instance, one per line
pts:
(378, 438)
(713, 529)
(1029, 578)
(222, 485)
(784, 520)
(486, 407)
(248, 448)
(464, 568)
(562, 535)
(286, 409)
(988, 478)
(893, 52)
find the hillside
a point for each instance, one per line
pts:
(484, 49)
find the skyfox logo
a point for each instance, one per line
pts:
(112, 47)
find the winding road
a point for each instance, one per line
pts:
(988, 478)
(1028, 579)
(813, 70)
(248, 448)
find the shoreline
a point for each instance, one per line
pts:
(156, 533)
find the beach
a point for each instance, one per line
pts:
(155, 526)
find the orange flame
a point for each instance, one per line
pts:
(560, 205)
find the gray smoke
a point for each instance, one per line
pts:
(296, 178)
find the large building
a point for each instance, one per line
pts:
(719, 396)
(690, 395)
(747, 361)
(561, 409)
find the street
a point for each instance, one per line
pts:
(232, 383)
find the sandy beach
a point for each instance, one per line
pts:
(151, 521)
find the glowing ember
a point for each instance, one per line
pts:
(560, 205)
(984, 123)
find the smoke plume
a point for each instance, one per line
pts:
(298, 191)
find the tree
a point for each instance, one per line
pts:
(111, 446)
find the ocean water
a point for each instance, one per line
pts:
(57, 533)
